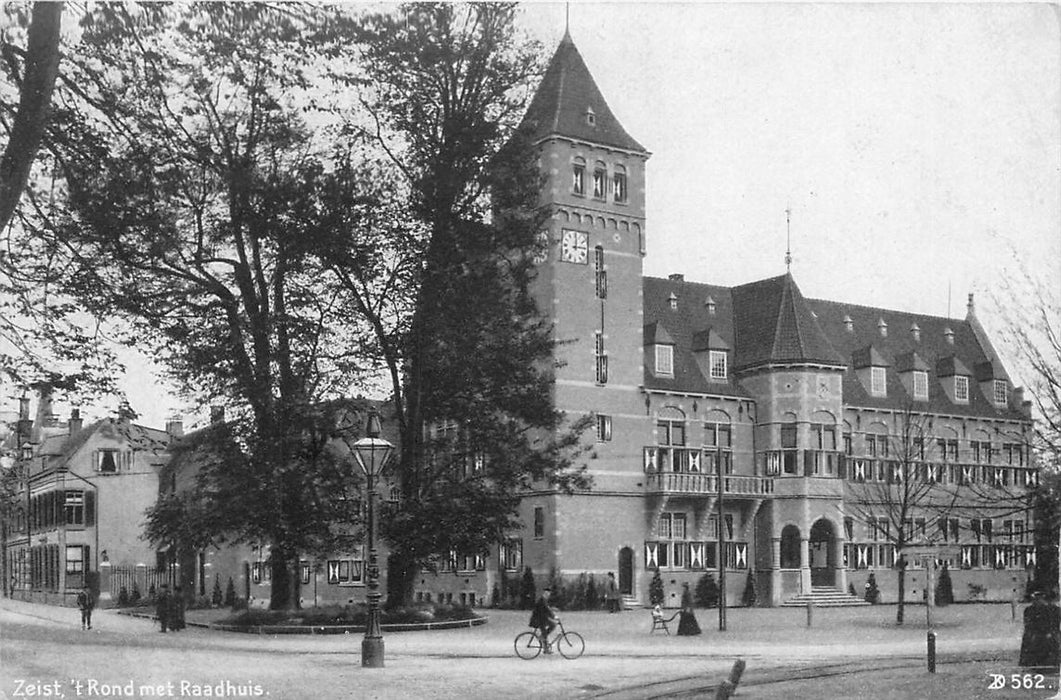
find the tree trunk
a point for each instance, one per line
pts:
(282, 595)
(401, 579)
(902, 594)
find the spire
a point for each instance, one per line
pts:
(568, 103)
(788, 239)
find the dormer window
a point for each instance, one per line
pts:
(882, 327)
(665, 360)
(578, 176)
(915, 332)
(591, 116)
(948, 335)
(600, 180)
(619, 183)
(710, 304)
(961, 389)
(849, 325)
(1001, 396)
(921, 385)
(673, 301)
(719, 365)
(878, 379)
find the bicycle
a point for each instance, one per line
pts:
(569, 644)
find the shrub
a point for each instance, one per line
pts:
(561, 594)
(217, 596)
(593, 600)
(135, 596)
(123, 596)
(152, 593)
(527, 592)
(655, 589)
(230, 594)
(851, 590)
(706, 594)
(749, 597)
(944, 588)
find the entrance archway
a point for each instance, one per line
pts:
(822, 553)
(626, 571)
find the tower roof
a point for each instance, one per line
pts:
(775, 324)
(569, 103)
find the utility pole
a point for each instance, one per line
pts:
(721, 541)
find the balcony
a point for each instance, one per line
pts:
(680, 471)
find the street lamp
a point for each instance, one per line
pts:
(372, 453)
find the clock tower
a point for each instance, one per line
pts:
(589, 285)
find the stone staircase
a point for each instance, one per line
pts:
(824, 597)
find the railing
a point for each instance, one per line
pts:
(707, 484)
(867, 469)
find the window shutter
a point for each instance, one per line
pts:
(651, 555)
(90, 507)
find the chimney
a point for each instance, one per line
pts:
(217, 414)
(970, 308)
(175, 427)
(25, 424)
(44, 410)
(75, 424)
(676, 277)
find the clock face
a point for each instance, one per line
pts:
(574, 247)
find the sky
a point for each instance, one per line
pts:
(917, 146)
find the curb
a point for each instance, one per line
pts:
(325, 629)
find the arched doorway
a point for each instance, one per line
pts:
(790, 547)
(626, 571)
(822, 553)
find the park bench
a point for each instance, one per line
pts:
(659, 622)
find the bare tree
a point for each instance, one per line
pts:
(904, 498)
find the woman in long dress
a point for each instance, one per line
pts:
(687, 625)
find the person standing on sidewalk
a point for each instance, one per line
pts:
(687, 624)
(162, 606)
(177, 609)
(86, 602)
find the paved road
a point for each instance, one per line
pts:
(42, 648)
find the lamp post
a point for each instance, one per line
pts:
(372, 453)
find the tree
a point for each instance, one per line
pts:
(707, 591)
(470, 362)
(944, 592)
(192, 176)
(903, 505)
(655, 589)
(527, 594)
(749, 598)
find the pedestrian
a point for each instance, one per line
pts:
(86, 602)
(177, 609)
(543, 619)
(687, 624)
(612, 594)
(162, 606)
(1039, 645)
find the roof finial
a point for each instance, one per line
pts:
(788, 240)
(567, 21)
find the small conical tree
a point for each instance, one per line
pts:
(655, 589)
(217, 596)
(592, 596)
(135, 596)
(944, 587)
(706, 591)
(527, 592)
(230, 593)
(749, 599)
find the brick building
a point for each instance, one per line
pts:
(800, 400)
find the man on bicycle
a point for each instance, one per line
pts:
(543, 618)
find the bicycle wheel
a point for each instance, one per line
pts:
(528, 645)
(570, 645)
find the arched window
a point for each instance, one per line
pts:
(578, 176)
(619, 184)
(600, 180)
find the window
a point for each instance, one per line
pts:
(1014, 454)
(539, 522)
(789, 459)
(75, 559)
(604, 428)
(600, 180)
(601, 274)
(921, 385)
(665, 360)
(718, 364)
(512, 554)
(1001, 396)
(825, 436)
(961, 389)
(600, 358)
(670, 432)
(345, 571)
(304, 572)
(619, 184)
(719, 438)
(578, 177)
(877, 385)
(113, 461)
(981, 452)
(74, 508)
(948, 449)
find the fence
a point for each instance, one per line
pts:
(139, 578)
